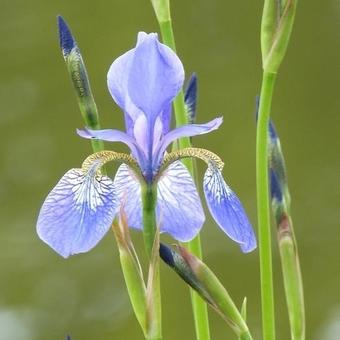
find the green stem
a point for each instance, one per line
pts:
(149, 201)
(267, 295)
(222, 302)
(245, 336)
(132, 271)
(199, 307)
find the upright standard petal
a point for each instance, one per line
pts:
(164, 76)
(155, 76)
(179, 209)
(227, 210)
(78, 212)
(118, 76)
(117, 82)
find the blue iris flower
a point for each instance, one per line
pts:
(80, 209)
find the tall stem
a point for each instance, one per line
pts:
(267, 294)
(154, 321)
(199, 307)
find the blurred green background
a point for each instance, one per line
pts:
(43, 296)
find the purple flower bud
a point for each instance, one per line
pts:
(67, 42)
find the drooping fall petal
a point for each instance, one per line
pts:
(78, 212)
(179, 210)
(227, 210)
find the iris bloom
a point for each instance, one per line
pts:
(80, 209)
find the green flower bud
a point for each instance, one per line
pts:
(194, 272)
(131, 269)
(277, 23)
(79, 77)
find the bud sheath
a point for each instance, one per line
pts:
(287, 242)
(77, 70)
(194, 272)
(131, 270)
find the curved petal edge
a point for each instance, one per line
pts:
(227, 210)
(78, 212)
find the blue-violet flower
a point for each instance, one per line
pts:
(80, 209)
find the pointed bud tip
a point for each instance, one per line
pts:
(67, 42)
(166, 255)
(192, 83)
(190, 98)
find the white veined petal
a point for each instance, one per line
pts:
(179, 208)
(78, 212)
(129, 194)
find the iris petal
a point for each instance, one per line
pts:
(117, 82)
(111, 135)
(77, 213)
(117, 78)
(129, 194)
(179, 208)
(166, 119)
(227, 210)
(155, 77)
(185, 131)
(163, 75)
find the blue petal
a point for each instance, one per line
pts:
(128, 191)
(78, 212)
(117, 82)
(117, 78)
(111, 135)
(155, 77)
(184, 131)
(227, 210)
(179, 208)
(121, 74)
(166, 119)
